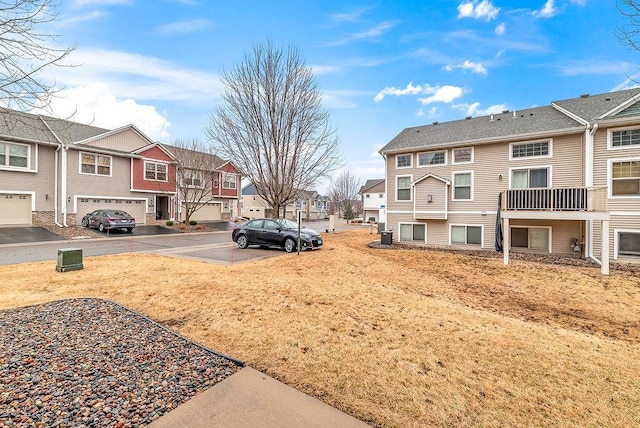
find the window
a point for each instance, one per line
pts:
(367, 196)
(626, 137)
(536, 238)
(463, 155)
(625, 178)
(228, 181)
(14, 155)
(529, 150)
(629, 243)
(193, 179)
(403, 161)
(466, 235)
(529, 178)
(432, 158)
(95, 164)
(462, 185)
(412, 232)
(155, 171)
(403, 188)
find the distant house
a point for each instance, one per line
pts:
(567, 175)
(310, 204)
(373, 200)
(53, 171)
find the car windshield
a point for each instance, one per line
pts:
(288, 223)
(117, 213)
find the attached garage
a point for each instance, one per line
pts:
(208, 212)
(137, 208)
(15, 209)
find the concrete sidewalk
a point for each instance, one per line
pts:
(249, 398)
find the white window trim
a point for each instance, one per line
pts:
(518, 143)
(610, 132)
(410, 188)
(445, 151)
(235, 180)
(616, 241)
(610, 163)
(144, 172)
(410, 162)
(549, 174)
(453, 185)
(453, 156)
(96, 173)
(194, 174)
(18, 168)
(550, 243)
(412, 223)
(451, 244)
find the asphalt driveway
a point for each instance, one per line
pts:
(26, 234)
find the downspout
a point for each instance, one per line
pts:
(55, 188)
(588, 169)
(64, 176)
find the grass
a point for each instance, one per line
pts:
(396, 338)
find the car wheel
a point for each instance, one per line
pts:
(85, 222)
(289, 245)
(101, 227)
(242, 242)
(129, 229)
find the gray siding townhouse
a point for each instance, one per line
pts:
(558, 179)
(53, 171)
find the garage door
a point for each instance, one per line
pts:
(15, 209)
(136, 208)
(208, 212)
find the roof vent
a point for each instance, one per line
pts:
(505, 111)
(515, 114)
(491, 120)
(584, 96)
(607, 99)
(435, 123)
(467, 118)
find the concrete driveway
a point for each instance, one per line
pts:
(26, 234)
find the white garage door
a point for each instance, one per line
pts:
(208, 212)
(15, 209)
(136, 208)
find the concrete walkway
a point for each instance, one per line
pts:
(249, 398)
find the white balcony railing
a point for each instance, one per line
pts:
(556, 199)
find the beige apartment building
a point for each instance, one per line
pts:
(558, 179)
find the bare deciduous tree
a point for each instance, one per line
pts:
(196, 174)
(271, 123)
(25, 51)
(344, 192)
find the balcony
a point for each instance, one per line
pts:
(556, 203)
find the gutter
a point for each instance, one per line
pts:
(63, 195)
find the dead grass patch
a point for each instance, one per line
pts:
(393, 337)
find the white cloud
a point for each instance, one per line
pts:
(184, 27)
(478, 10)
(409, 90)
(579, 2)
(94, 104)
(468, 65)
(420, 112)
(324, 69)
(353, 16)
(443, 94)
(547, 11)
(596, 68)
(370, 33)
(501, 29)
(474, 110)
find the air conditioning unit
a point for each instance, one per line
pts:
(69, 259)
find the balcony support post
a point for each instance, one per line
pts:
(604, 267)
(506, 240)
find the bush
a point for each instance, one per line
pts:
(192, 222)
(169, 222)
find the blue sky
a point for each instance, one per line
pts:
(382, 66)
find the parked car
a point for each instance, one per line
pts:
(109, 219)
(278, 232)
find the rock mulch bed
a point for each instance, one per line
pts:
(94, 363)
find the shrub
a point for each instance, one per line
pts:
(192, 222)
(169, 222)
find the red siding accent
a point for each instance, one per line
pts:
(139, 183)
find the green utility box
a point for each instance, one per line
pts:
(69, 259)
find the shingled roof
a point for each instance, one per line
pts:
(561, 117)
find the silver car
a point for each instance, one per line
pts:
(109, 219)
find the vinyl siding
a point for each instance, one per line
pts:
(127, 140)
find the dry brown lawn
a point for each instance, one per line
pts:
(394, 337)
